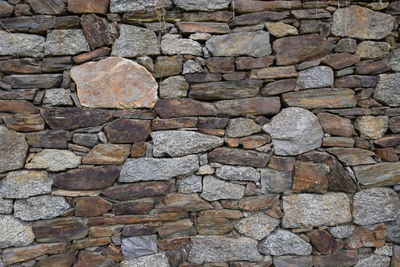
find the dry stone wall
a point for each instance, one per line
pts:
(229, 133)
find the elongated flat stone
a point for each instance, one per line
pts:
(142, 189)
(234, 156)
(380, 174)
(225, 90)
(57, 230)
(21, 44)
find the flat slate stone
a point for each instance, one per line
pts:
(21, 44)
(65, 42)
(202, 5)
(61, 229)
(134, 42)
(14, 232)
(128, 130)
(104, 84)
(241, 157)
(225, 90)
(254, 44)
(248, 106)
(176, 107)
(13, 149)
(275, 181)
(136, 190)
(137, 246)
(34, 80)
(147, 169)
(182, 143)
(380, 174)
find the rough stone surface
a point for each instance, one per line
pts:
(23, 184)
(381, 174)
(257, 225)
(107, 154)
(239, 157)
(54, 160)
(174, 87)
(304, 210)
(202, 5)
(127, 130)
(14, 232)
(135, 41)
(114, 83)
(145, 169)
(294, 131)
(275, 181)
(119, 6)
(342, 231)
(191, 184)
(375, 205)
(241, 127)
(21, 44)
(317, 77)
(40, 207)
(215, 189)
(57, 97)
(138, 246)
(373, 50)
(13, 149)
(279, 29)
(174, 44)
(157, 259)
(182, 143)
(65, 42)
(362, 23)
(225, 90)
(374, 260)
(254, 44)
(220, 248)
(372, 127)
(386, 89)
(283, 242)
(237, 173)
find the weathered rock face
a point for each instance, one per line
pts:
(381, 174)
(202, 5)
(317, 77)
(124, 82)
(138, 246)
(157, 259)
(127, 130)
(215, 189)
(13, 149)
(362, 23)
(386, 89)
(142, 5)
(294, 131)
(283, 242)
(54, 160)
(65, 42)
(14, 232)
(20, 44)
(257, 225)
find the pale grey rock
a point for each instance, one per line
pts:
(13, 149)
(138, 246)
(253, 44)
(174, 44)
(361, 23)
(135, 41)
(387, 91)
(294, 131)
(237, 173)
(384, 250)
(393, 231)
(174, 87)
(57, 97)
(375, 205)
(216, 248)
(158, 259)
(54, 160)
(306, 210)
(147, 169)
(6, 206)
(372, 127)
(200, 36)
(342, 231)
(40, 207)
(65, 42)
(122, 6)
(85, 139)
(293, 261)
(192, 66)
(14, 233)
(181, 143)
(202, 5)
(274, 181)
(25, 183)
(257, 225)
(21, 44)
(284, 242)
(215, 189)
(372, 50)
(316, 77)
(394, 58)
(374, 261)
(241, 127)
(191, 184)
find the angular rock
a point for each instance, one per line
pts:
(215, 189)
(98, 31)
(18, 94)
(138, 246)
(57, 230)
(237, 173)
(167, 124)
(362, 23)
(275, 181)
(278, 87)
(374, 260)
(91, 79)
(174, 87)
(90, 6)
(174, 44)
(6, 9)
(336, 125)
(202, 5)
(274, 73)
(372, 127)
(373, 50)
(170, 108)
(143, 189)
(248, 63)
(138, 206)
(321, 98)
(216, 248)
(168, 66)
(257, 225)
(182, 143)
(54, 160)
(127, 130)
(220, 64)
(386, 89)
(157, 259)
(296, 49)
(239, 157)
(179, 228)
(364, 237)
(107, 154)
(279, 29)
(294, 131)
(73, 118)
(248, 106)
(65, 42)
(341, 60)
(13, 149)
(87, 258)
(225, 90)
(65, 259)
(207, 225)
(85, 139)
(57, 97)
(91, 206)
(342, 231)
(135, 41)
(24, 183)
(209, 27)
(21, 44)
(283, 242)
(372, 67)
(34, 80)
(50, 7)
(15, 106)
(40, 207)
(375, 205)
(342, 258)
(14, 232)
(191, 184)
(355, 81)
(310, 177)
(241, 127)
(254, 44)
(87, 178)
(324, 242)
(316, 77)
(300, 261)
(145, 169)
(353, 156)
(304, 210)
(6, 206)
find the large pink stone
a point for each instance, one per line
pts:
(114, 82)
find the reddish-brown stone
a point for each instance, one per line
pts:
(98, 31)
(324, 242)
(362, 237)
(341, 60)
(249, 106)
(61, 260)
(371, 67)
(101, 231)
(113, 253)
(107, 154)
(173, 243)
(345, 257)
(88, 178)
(220, 64)
(14, 255)
(91, 242)
(310, 177)
(168, 124)
(89, 259)
(62, 229)
(18, 94)
(142, 189)
(388, 141)
(241, 157)
(23, 122)
(356, 81)
(211, 225)
(282, 163)
(183, 107)
(212, 123)
(138, 206)
(264, 202)
(138, 150)
(387, 154)
(235, 76)
(209, 27)
(20, 66)
(128, 130)
(88, 6)
(167, 66)
(176, 229)
(336, 125)
(248, 63)
(130, 219)
(183, 202)
(140, 229)
(91, 206)
(84, 57)
(254, 141)
(17, 106)
(222, 213)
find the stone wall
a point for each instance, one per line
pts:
(154, 133)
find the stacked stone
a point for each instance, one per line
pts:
(199, 133)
